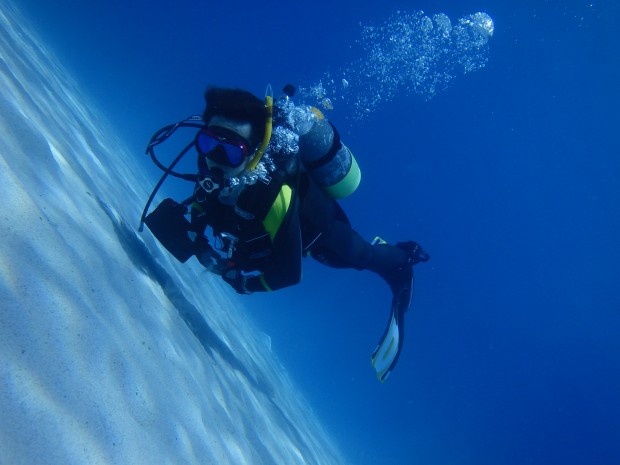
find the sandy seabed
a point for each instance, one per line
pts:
(110, 351)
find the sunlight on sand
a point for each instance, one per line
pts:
(110, 352)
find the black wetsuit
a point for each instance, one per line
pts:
(314, 224)
(330, 239)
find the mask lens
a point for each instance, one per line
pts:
(220, 149)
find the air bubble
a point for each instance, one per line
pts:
(409, 54)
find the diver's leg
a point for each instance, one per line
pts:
(400, 276)
(329, 238)
(342, 247)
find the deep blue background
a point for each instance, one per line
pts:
(509, 179)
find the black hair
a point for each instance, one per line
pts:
(239, 105)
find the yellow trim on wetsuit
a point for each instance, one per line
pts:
(280, 206)
(262, 280)
(273, 220)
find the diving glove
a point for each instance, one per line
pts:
(169, 225)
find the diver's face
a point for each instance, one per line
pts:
(236, 129)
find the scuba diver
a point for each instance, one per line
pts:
(264, 196)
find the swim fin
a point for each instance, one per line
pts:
(386, 354)
(388, 349)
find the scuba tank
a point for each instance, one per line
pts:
(330, 163)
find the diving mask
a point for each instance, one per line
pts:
(222, 146)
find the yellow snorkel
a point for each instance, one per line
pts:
(268, 127)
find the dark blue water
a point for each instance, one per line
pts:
(509, 178)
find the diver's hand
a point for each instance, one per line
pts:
(237, 281)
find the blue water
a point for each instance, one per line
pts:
(509, 178)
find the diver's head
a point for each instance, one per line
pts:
(235, 127)
(224, 146)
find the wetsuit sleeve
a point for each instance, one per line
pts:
(285, 267)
